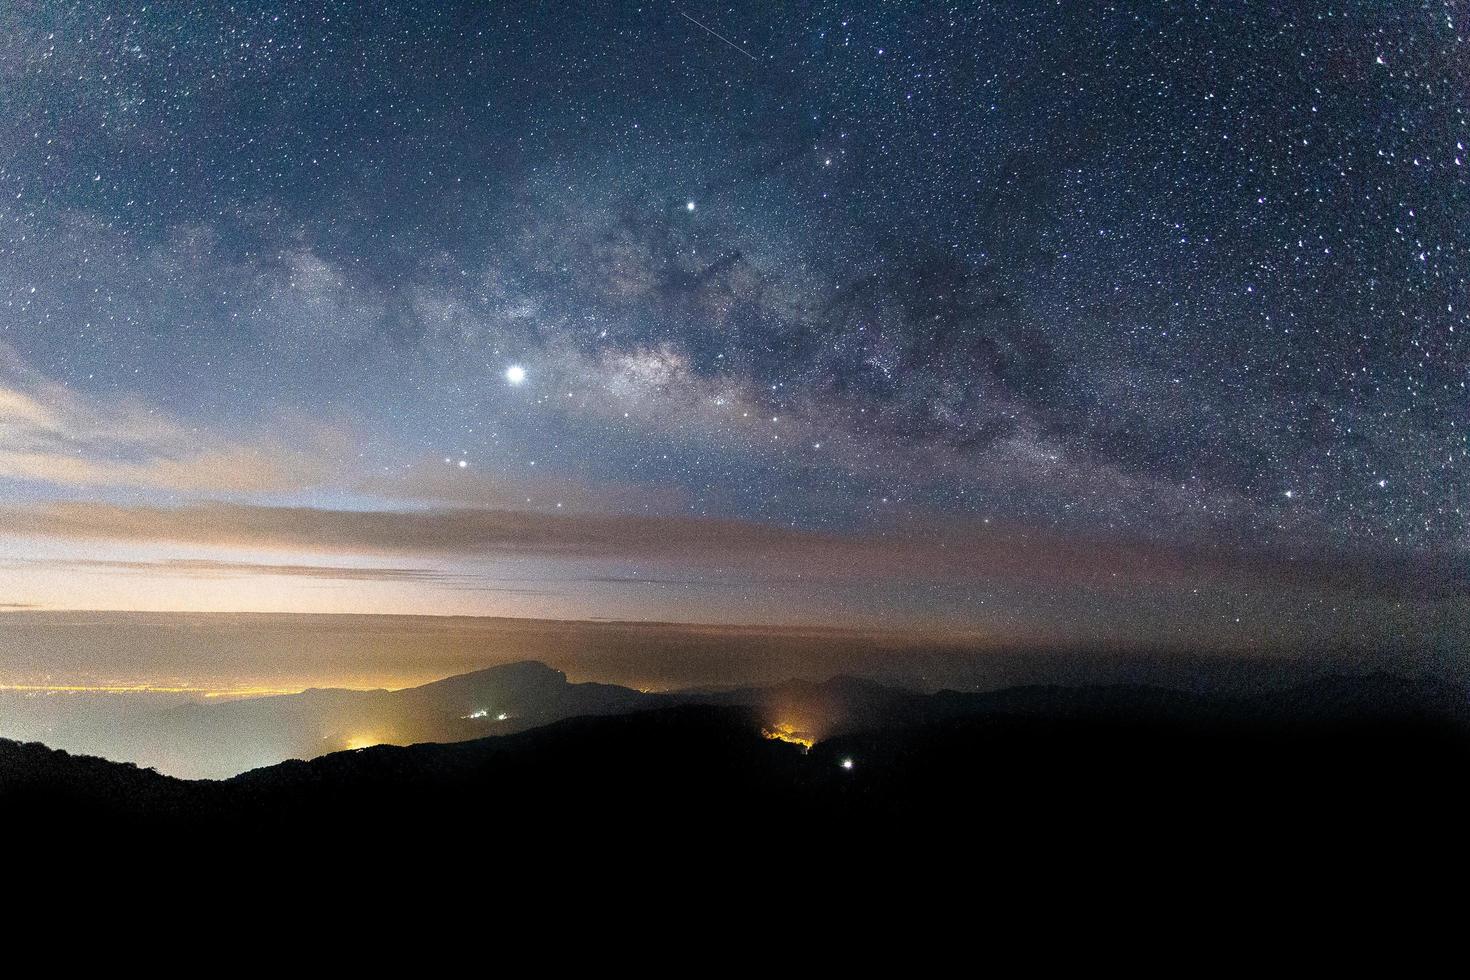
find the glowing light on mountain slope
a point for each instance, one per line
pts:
(363, 741)
(786, 732)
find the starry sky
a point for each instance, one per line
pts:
(1140, 323)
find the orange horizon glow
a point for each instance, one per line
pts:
(208, 692)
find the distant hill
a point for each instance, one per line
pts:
(852, 704)
(215, 740)
(1342, 762)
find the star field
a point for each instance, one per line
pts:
(1161, 273)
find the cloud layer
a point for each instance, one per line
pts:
(50, 434)
(949, 552)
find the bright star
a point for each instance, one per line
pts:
(846, 763)
(689, 206)
(515, 374)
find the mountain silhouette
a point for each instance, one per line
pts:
(218, 739)
(1340, 761)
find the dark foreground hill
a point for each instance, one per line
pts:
(1348, 764)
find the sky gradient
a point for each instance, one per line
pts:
(1039, 323)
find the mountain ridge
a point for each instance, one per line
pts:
(220, 739)
(685, 775)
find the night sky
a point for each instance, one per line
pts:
(1058, 322)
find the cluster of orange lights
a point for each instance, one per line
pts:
(785, 732)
